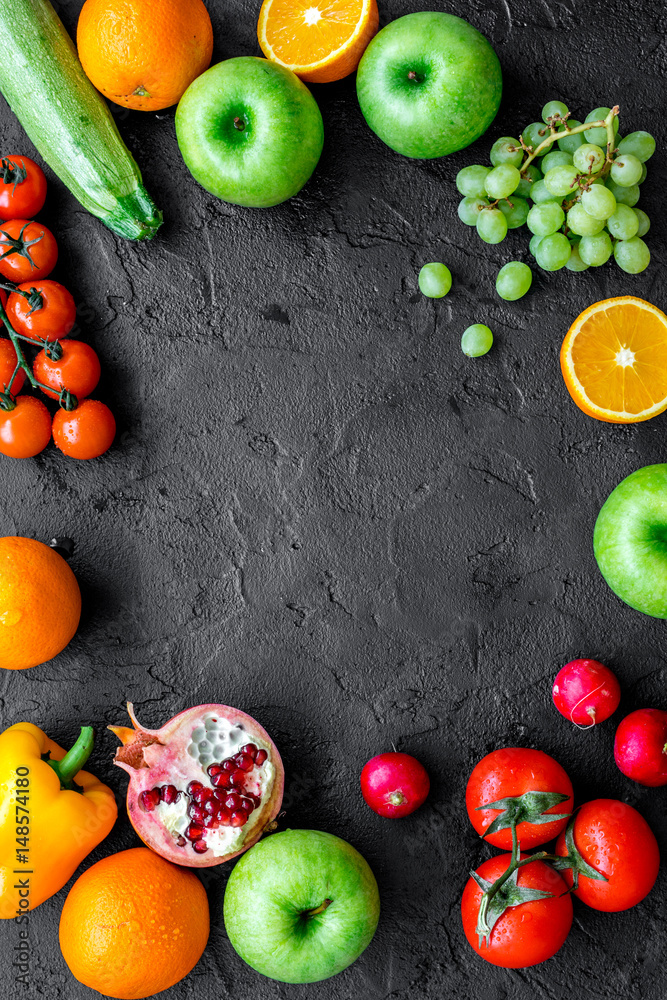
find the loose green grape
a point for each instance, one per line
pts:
(644, 174)
(624, 223)
(598, 201)
(626, 170)
(435, 280)
(534, 243)
(515, 211)
(571, 142)
(513, 281)
(545, 219)
(598, 136)
(554, 109)
(561, 180)
(502, 181)
(492, 225)
(623, 195)
(541, 193)
(632, 256)
(595, 250)
(640, 144)
(583, 224)
(506, 150)
(574, 262)
(476, 340)
(553, 252)
(643, 220)
(470, 181)
(528, 178)
(588, 158)
(470, 208)
(556, 158)
(534, 134)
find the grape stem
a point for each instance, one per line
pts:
(606, 123)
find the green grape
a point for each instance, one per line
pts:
(554, 109)
(571, 142)
(534, 134)
(623, 195)
(540, 193)
(632, 256)
(644, 174)
(513, 281)
(588, 159)
(502, 181)
(626, 170)
(506, 150)
(640, 144)
(470, 208)
(556, 158)
(574, 262)
(643, 220)
(583, 224)
(545, 219)
(476, 340)
(528, 178)
(435, 280)
(595, 250)
(470, 181)
(624, 223)
(598, 201)
(515, 211)
(598, 136)
(492, 225)
(553, 252)
(534, 243)
(561, 180)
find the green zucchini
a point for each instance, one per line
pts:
(68, 120)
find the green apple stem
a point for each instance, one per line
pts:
(239, 123)
(318, 909)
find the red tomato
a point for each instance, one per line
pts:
(25, 430)
(525, 934)
(7, 366)
(53, 320)
(28, 251)
(22, 187)
(513, 771)
(614, 839)
(86, 432)
(78, 370)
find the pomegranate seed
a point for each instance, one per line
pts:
(250, 749)
(245, 762)
(261, 757)
(220, 794)
(247, 804)
(194, 788)
(169, 794)
(213, 769)
(223, 816)
(211, 807)
(229, 764)
(233, 801)
(150, 799)
(210, 821)
(205, 795)
(196, 812)
(180, 841)
(238, 779)
(238, 818)
(221, 780)
(194, 832)
(200, 847)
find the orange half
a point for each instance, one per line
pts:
(319, 40)
(614, 360)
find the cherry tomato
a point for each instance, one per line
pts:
(513, 771)
(525, 934)
(78, 370)
(28, 251)
(22, 187)
(53, 320)
(86, 432)
(7, 366)
(25, 430)
(614, 839)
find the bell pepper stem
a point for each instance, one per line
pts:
(74, 760)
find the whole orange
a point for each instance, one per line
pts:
(134, 925)
(40, 603)
(144, 54)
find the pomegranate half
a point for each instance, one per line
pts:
(204, 787)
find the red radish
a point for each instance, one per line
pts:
(640, 747)
(586, 692)
(394, 784)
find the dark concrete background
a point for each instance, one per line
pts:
(320, 511)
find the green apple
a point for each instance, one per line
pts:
(301, 906)
(250, 131)
(630, 540)
(429, 84)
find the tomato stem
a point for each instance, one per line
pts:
(20, 357)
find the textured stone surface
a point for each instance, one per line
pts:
(318, 510)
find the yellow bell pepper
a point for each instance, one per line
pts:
(52, 814)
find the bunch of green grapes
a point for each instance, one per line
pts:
(578, 200)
